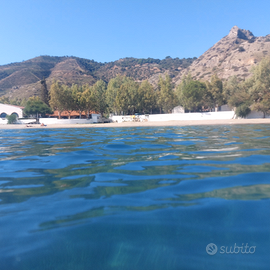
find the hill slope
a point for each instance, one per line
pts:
(19, 80)
(234, 54)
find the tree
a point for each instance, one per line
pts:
(243, 110)
(11, 118)
(121, 100)
(146, 97)
(166, 96)
(126, 100)
(89, 98)
(68, 101)
(231, 87)
(131, 87)
(179, 90)
(214, 97)
(35, 106)
(260, 87)
(78, 99)
(237, 95)
(192, 94)
(236, 92)
(111, 93)
(44, 93)
(57, 97)
(100, 88)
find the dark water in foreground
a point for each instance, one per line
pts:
(135, 198)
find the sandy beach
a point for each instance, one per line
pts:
(146, 124)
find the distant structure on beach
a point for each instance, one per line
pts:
(7, 109)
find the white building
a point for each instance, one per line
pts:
(6, 109)
(225, 108)
(178, 109)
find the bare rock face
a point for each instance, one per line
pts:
(240, 33)
(234, 54)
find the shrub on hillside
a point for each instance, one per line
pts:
(241, 49)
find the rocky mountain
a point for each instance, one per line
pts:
(235, 54)
(22, 80)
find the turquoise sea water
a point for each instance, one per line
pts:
(135, 198)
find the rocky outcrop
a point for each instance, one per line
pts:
(236, 32)
(235, 54)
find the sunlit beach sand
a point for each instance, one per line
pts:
(146, 124)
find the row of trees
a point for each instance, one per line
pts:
(126, 96)
(78, 98)
(122, 95)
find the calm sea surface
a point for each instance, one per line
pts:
(135, 198)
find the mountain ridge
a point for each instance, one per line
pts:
(234, 54)
(22, 79)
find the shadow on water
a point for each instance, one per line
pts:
(134, 198)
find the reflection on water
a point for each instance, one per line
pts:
(134, 198)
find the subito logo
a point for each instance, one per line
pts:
(211, 249)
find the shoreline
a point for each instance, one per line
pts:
(146, 124)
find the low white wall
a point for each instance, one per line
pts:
(26, 121)
(96, 118)
(176, 116)
(3, 121)
(192, 116)
(56, 121)
(128, 118)
(254, 115)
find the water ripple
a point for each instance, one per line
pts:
(133, 198)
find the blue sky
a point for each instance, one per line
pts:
(107, 30)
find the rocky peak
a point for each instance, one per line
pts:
(236, 32)
(233, 55)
